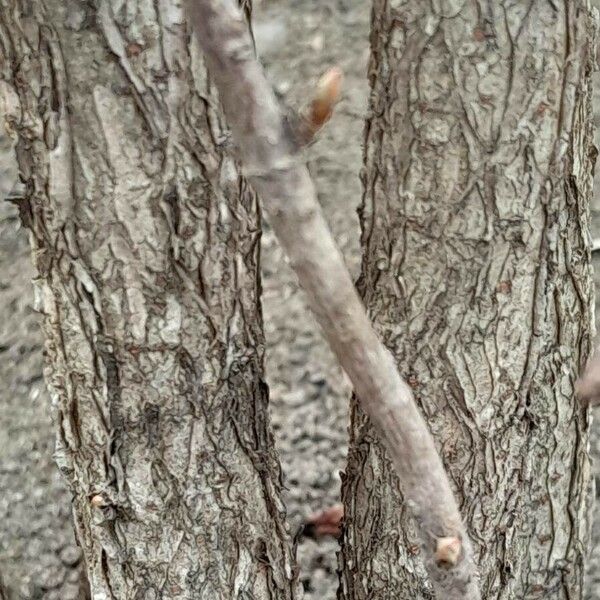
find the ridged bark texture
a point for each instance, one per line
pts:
(146, 241)
(476, 271)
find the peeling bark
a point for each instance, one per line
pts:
(476, 272)
(146, 241)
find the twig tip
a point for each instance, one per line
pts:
(326, 96)
(447, 552)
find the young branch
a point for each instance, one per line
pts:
(275, 169)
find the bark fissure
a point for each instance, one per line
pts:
(486, 298)
(145, 238)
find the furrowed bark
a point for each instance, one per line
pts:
(146, 241)
(275, 169)
(476, 269)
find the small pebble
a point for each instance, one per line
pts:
(70, 555)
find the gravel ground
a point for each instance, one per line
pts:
(297, 41)
(38, 554)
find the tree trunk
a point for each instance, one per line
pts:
(3, 590)
(476, 271)
(146, 241)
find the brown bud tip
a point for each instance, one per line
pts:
(325, 523)
(447, 552)
(326, 95)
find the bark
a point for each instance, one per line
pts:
(476, 271)
(277, 172)
(3, 591)
(146, 241)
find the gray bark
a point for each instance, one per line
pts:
(476, 272)
(145, 239)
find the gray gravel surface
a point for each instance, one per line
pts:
(38, 554)
(298, 41)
